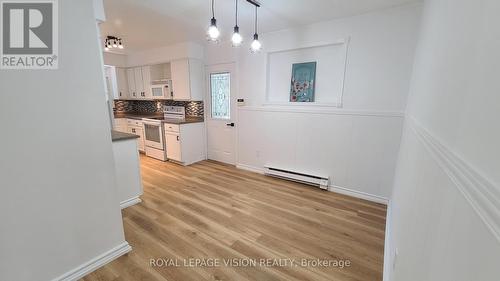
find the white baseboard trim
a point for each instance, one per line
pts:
(358, 194)
(130, 202)
(250, 168)
(332, 188)
(95, 263)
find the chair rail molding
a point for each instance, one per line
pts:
(319, 109)
(480, 192)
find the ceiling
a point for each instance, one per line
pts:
(146, 24)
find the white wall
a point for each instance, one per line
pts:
(446, 203)
(166, 54)
(59, 205)
(357, 146)
(118, 60)
(330, 72)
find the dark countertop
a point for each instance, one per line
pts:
(119, 136)
(188, 120)
(136, 116)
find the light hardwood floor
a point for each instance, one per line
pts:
(215, 212)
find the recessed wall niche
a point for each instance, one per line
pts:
(330, 73)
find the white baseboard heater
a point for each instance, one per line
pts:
(315, 180)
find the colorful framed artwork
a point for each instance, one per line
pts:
(303, 82)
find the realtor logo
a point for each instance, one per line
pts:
(29, 34)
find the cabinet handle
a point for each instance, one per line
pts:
(178, 139)
(120, 94)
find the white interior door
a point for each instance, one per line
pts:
(221, 113)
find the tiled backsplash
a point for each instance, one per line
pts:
(193, 108)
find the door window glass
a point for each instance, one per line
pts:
(220, 90)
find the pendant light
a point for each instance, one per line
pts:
(213, 32)
(256, 45)
(236, 39)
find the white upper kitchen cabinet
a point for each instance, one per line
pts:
(146, 82)
(131, 84)
(116, 82)
(111, 87)
(187, 79)
(139, 85)
(121, 81)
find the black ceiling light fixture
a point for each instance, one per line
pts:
(112, 42)
(236, 39)
(213, 32)
(256, 46)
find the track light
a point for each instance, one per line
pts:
(256, 45)
(213, 32)
(112, 42)
(236, 39)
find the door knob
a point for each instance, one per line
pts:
(230, 124)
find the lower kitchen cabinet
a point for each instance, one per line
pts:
(138, 132)
(185, 143)
(135, 127)
(174, 151)
(131, 126)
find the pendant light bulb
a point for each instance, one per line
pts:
(256, 45)
(115, 45)
(213, 32)
(236, 39)
(120, 45)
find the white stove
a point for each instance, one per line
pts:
(154, 135)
